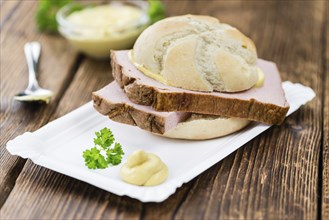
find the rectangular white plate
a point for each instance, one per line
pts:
(59, 146)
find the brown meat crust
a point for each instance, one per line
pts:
(126, 114)
(206, 103)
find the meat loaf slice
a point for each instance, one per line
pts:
(266, 104)
(112, 101)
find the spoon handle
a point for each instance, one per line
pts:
(32, 52)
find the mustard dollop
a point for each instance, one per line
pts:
(144, 169)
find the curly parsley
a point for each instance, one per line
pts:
(102, 155)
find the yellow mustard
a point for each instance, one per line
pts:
(144, 169)
(261, 78)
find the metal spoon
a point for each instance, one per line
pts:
(33, 92)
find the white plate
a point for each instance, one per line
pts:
(59, 146)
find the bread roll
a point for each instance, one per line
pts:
(197, 53)
(203, 127)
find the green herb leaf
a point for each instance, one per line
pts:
(156, 10)
(114, 156)
(94, 158)
(104, 138)
(46, 14)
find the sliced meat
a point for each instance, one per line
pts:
(266, 104)
(113, 102)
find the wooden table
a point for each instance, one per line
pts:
(281, 174)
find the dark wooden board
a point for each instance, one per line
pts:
(324, 170)
(55, 72)
(7, 9)
(91, 76)
(278, 175)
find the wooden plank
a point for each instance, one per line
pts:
(273, 176)
(91, 76)
(7, 9)
(325, 144)
(66, 195)
(57, 61)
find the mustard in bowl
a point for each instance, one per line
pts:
(96, 29)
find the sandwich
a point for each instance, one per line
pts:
(192, 77)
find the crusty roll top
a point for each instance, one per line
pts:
(197, 53)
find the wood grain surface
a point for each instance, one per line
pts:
(325, 144)
(281, 174)
(7, 9)
(55, 74)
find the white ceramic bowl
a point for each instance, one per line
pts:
(98, 41)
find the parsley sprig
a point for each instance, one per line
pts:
(102, 154)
